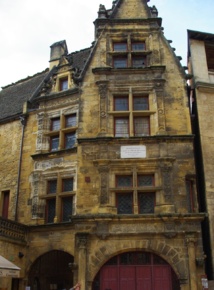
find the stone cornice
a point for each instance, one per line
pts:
(136, 140)
(128, 70)
(205, 87)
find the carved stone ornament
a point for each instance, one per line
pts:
(82, 240)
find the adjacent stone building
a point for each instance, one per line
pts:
(98, 182)
(201, 66)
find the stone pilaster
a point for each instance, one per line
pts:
(191, 242)
(82, 257)
(103, 86)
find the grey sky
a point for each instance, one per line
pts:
(29, 27)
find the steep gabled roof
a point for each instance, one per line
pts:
(13, 97)
(78, 59)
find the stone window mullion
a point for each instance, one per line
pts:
(58, 200)
(135, 198)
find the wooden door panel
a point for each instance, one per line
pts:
(109, 278)
(162, 278)
(127, 278)
(144, 278)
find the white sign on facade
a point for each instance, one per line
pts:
(133, 151)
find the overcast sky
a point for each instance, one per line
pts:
(29, 27)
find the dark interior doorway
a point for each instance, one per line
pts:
(51, 272)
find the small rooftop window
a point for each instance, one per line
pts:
(63, 84)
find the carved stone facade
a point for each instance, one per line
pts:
(106, 161)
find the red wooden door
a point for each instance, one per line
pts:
(127, 278)
(144, 278)
(162, 278)
(109, 278)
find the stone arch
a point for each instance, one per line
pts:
(51, 268)
(107, 250)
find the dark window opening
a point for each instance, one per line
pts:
(145, 180)
(67, 184)
(63, 84)
(121, 103)
(124, 203)
(120, 62)
(140, 103)
(141, 126)
(70, 121)
(67, 203)
(121, 127)
(124, 181)
(54, 143)
(55, 124)
(120, 46)
(5, 203)
(146, 202)
(138, 61)
(50, 210)
(70, 140)
(52, 186)
(138, 46)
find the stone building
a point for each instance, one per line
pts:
(201, 66)
(97, 179)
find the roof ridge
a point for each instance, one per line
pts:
(25, 79)
(77, 51)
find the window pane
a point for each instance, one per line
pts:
(124, 203)
(141, 126)
(146, 202)
(55, 124)
(138, 46)
(138, 61)
(120, 62)
(70, 121)
(124, 181)
(140, 103)
(67, 204)
(190, 197)
(50, 210)
(54, 143)
(63, 84)
(121, 103)
(52, 185)
(70, 140)
(121, 127)
(145, 180)
(135, 258)
(120, 46)
(67, 184)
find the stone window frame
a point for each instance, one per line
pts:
(60, 78)
(60, 194)
(129, 54)
(63, 130)
(135, 189)
(132, 114)
(39, 193)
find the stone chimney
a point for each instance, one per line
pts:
(58, 49)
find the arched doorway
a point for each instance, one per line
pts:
(51, 272)
(136, 271)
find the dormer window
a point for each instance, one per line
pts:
(63, 84)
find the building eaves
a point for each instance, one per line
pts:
(198, 35)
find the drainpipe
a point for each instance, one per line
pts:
(23, 123)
